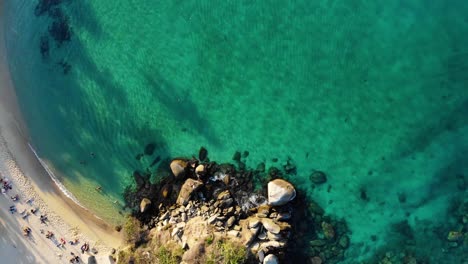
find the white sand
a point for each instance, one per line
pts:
(30, 180)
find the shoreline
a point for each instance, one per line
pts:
(30, 179)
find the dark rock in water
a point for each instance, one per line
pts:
(202, 154)
(44, 46)
(261, 167)
(66, 67)
(318, 243)
(149, 149)
(363, 194)
(139, 156)
(402, 197)
(245, 154)
(315, 208)
(318, 177)
(344, 242)
(60, 29)
(156, 160)
(274, 160)
(139, 179)
(236, 156)
(44, 6)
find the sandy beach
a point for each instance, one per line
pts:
(29, 180)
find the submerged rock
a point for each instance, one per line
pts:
(202, 154)
(178, 167)
(318, 177)
(280, 192)
(149, 149)
(145, 205)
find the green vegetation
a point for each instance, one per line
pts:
(132, 231)
(227, 252)
(168, 255)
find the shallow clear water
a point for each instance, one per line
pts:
(373, 93)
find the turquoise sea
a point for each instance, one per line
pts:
(374, 93)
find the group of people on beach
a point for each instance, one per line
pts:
(7, 185)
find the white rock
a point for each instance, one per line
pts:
(280, 192)
(270, 259)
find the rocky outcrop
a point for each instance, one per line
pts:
(178, 168)
(280, 192)
(190, 186)
(145, 205)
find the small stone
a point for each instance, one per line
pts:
(328, 230)
(316, 260)
(164, 216)
(259, 215)
(233, 233)
(270, 259)
(237, 228)
(272, 236)
(271, 226)
(230, 221)
(200, 170)
(261, 255)
(318, 243)
(184, 217)
(212, 219)
(318, 177)
(262, 236)
(178, 168)
(253, 222)
(145, 205)
(261, 167)
(315, 208)
(224, 195)
(283, 216)
(454, 236)
(236, 156)
(204, 209)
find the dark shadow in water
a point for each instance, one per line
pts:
(444, 181)
(452, 120)
(180, 104)
(85, 19)
(76, 108)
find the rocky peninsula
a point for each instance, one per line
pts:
(199, 211)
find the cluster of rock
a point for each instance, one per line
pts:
(264, 229)
(198, 198)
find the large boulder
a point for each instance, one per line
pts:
(145, 204)
(280, 192)
(189, 186)
(178, 167)
(270, 259)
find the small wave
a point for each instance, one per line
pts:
(60, 185)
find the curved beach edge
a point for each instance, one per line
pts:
(30, 180)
